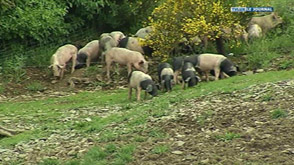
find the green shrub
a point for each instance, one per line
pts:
(286, 64)
(13, 68)
(35, 86)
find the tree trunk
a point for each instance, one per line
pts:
(220, 46)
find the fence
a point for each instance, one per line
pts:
(35, 54)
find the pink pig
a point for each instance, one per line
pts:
(125, 57)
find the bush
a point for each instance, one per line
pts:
(35, 86)
(13, 68)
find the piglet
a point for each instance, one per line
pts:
(165, 75)
(189, 76)
(61, 57)
(139, 81)
(127, 57)
(177, 64)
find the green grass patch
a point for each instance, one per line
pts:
(2, 88)
(160, 149)
(35, 86)
(267, 97)
(125, 154)
(279, 113)
(107, 136)
(227, 136)
(139, 138)
(157, 133)
(201, 119)
(50, 162)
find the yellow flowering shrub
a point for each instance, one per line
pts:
(175, 19)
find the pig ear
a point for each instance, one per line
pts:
(158, 86)
(238, 68)
(149, 88)
(172, 81)
(188, 79)
(50, 66)
(198, 78)
(61, 66)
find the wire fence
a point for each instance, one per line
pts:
(29, 52)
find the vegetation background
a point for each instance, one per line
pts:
(118, 131)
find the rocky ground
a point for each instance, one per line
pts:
(229, 128)
(226, 128)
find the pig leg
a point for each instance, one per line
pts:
(61, 73)
(88, 61)
(206, 76)
(129, 68)
(130, 93)
(74, 60)
(176, 76)
(145, 96)
(217, 72)
(108, 64)
(225, 75)
(183, 85)
(138, 93)
(222, 76)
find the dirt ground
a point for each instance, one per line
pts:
(197, 127)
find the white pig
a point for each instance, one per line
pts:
(127, 57)
(62, 56)
(266, 22)
(254, 31)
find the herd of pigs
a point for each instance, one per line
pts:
(115, 47)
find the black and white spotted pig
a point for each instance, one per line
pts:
(178, 62)
(166, 76)
(87, 54)
(141, 81)
(219, 64)
(189, 76)
(133, 43)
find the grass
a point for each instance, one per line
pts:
(227, 136)
(47, 113)
(267, 97)
(160, 149)
(50, 162)
(35, 86)
(204, 116)
(279, 113)
(2, 89)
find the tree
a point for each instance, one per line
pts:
(175, 19)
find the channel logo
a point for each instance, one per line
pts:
(252, 9)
